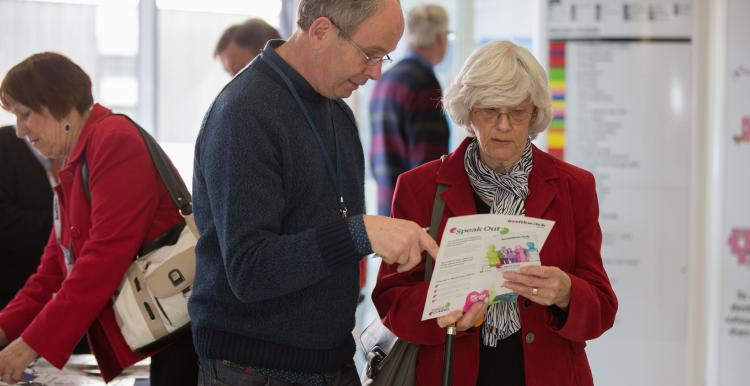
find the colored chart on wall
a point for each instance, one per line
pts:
(556, 130)
(620, 77)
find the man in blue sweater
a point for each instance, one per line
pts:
(278, 192)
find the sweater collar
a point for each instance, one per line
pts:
(414, 55)
(303, 87)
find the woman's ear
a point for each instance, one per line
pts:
(443, 39)
(72, 115)
(532, 120)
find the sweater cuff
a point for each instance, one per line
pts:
(359, 235)
(336, 245)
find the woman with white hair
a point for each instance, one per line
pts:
(502, 99)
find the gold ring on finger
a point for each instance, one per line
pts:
(535, 291)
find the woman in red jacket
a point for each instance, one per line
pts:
(501, 98)
(127, 204)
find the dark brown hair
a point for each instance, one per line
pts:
(252, 34)
(48, 80)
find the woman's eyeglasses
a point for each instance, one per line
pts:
(369, 60)
(492, 116)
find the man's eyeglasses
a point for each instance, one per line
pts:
(369, 60)
(491, 116)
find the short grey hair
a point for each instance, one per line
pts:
(499, 74)
(424, 23)
(346, 14)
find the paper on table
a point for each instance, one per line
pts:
(474, 252)
(81, 370)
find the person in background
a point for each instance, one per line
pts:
(25, 212)
(501, 98)
(240, 43)
(100, 231)
(406, 116)
(278, 190)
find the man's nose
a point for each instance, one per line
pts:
(373, 72)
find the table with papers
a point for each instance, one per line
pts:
(81, 370)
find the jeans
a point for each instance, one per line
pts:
(225, 373)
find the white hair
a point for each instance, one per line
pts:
(499, 74)
(424, 23)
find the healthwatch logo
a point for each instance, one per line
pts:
(524, 221)
(739, 244)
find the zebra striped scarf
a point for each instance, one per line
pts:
(507, 193)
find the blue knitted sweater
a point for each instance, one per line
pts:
(277, 268)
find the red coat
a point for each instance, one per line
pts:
(553, 347)
(128, 206)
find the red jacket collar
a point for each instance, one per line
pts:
(458, 196)
(542, 186)
(98, 112)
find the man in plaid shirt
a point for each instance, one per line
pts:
(408, 124)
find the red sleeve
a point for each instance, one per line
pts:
(125, 192)
(593, 303)
(400, 297)
(35, 293)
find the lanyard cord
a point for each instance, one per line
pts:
(68, 254)
(334, 174)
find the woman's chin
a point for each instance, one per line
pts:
(499, 160)
(501, 156)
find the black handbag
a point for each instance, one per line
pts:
(392, 361)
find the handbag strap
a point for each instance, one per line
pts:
(169, 176)
(437, 214)
(167, 172)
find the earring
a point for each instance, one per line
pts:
(66, 127)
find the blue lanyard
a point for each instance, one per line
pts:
(57, 222)
(334, 174)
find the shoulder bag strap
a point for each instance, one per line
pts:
(169, 176)
(437, 215)
(167, 172)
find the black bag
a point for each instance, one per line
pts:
(392, 361)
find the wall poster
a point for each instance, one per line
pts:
(620, 74)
